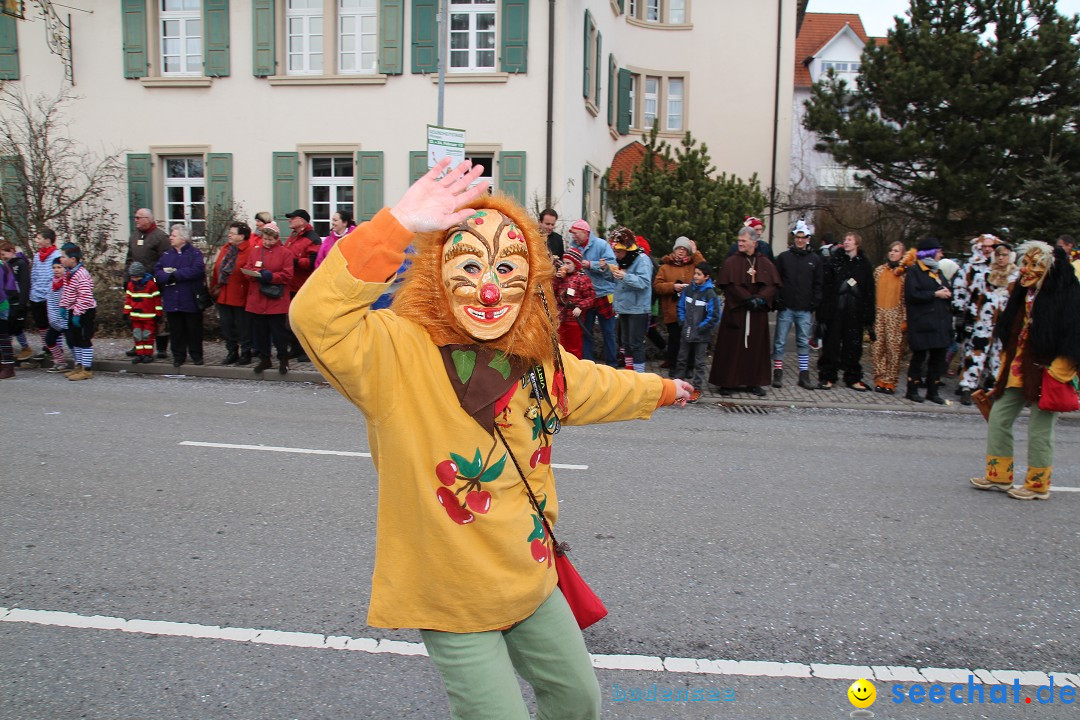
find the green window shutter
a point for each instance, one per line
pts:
(13, 189)
(286, 170)
(622, 6)
(588, 56)
(369, 184)
(597, 70)
(624, 102)
(515, 35)
(219, 182)
(611, 90)
(134, 22)
(512, 175)
(216, 42)
(9, 48)
(264, 61)
(140, 184)
(417, 165)
(391, 36)
(586, 185)
(425, 36)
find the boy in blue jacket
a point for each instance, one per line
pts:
(699, 314)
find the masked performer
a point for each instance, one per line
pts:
(460, 385)
(1040, 336)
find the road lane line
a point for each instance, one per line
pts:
(636, 663)
(310, 451)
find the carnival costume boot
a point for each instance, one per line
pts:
(1036, 485)
(998, 476)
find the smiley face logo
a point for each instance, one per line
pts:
(861, 693)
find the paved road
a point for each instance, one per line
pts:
(816, 540)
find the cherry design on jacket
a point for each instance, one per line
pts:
(474, 473)
(538, 539)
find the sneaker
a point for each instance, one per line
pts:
(1023, 493)
(131, 353)
(147, 358)
(694, 397)
(61, 368)
(981, 483)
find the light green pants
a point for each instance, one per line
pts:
(546, 648)
(999, 441)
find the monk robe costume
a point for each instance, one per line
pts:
(743, 352)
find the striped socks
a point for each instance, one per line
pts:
(804, 362)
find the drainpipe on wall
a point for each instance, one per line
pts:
(550, 101)
(776, 119)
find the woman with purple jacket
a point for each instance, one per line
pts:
(181, 273)
(341, 224)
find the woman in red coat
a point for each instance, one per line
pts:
(229, 288)
(270, 268)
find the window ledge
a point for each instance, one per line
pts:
(614, 133)
(675, 134)
(174, 82)
(659, 25)
(483, 77)
(593, 110)
(368, 79)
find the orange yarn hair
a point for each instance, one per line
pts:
(423, 298)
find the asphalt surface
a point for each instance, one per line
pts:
(790, 535)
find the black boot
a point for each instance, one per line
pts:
(912, 393)
(263, 364)
(804, 380)
(778, 377)
(231, 358)
(965, 396)
(283, 365)
(933, 393)
(245, 358)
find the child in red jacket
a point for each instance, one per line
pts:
(575, 294)
(142, 304)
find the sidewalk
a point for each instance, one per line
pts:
(109, 357)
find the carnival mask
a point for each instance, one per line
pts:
(485, 272)
(1032, 269)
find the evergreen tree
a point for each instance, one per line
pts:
(950, 118)
(673, 192)
(1048, 204)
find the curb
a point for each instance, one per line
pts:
(222, 372)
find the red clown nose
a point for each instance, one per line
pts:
(490, 294)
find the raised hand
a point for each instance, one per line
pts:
(432, 203)
(682, 392)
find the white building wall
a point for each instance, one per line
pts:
(730, 78)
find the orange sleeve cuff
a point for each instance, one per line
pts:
(667, 393)
(375, 249)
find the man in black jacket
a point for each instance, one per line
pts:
(800, 294)
(847, 308)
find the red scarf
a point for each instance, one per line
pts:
(58, 283)
(45, 252)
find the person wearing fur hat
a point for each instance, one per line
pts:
(928, 299)
(633, 295)
(675, 275)
(575, 295)
(464, 388)
(1040, 352)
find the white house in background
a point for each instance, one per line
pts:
(323, 104)
(825, 41)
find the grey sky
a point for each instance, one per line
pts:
(877, 15)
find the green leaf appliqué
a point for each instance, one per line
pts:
(500, 364)
(465, 467)
(464, 363)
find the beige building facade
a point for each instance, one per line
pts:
(324, 104)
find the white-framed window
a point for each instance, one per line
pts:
(839, 67)
(668, 12)
(488, 161)
(304, 37)
(657, 98)
(358, 36)
(181, 37)
(331, 188)
(185, 193)
(472, 35)
(674, 104)
(651, 103)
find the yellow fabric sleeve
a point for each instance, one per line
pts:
(1062, 369)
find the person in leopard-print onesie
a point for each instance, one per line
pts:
(890, 316)
(987, 297)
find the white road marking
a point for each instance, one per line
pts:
(647, 663)
(1064, 489)
(309, 451)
